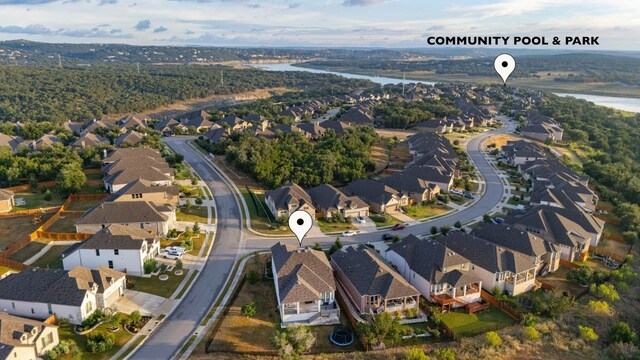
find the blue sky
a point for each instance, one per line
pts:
(384, 23)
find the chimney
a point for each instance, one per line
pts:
(104, 153)
(83, 144)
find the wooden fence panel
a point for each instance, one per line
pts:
(497, 303)
(354, 323)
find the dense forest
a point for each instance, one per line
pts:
(79, 93)
(290, 157)
(587, 67)
(610, 141)
(401, 114)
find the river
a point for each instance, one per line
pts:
(626, 104)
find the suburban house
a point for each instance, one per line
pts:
(126, 170)
(89, 140)
(137, 214)
(233, 123)
(328, 201)
(440, 274)
(143, 190)
(131, 122)
(12, 142)
(167, 126)
(128, 139)
(74, 295)
(216, 134)
(305, 286)
(311, 131)
(46, 140)
(519, 152)
(198, 119)
(285, 200)
(545, 254)
(118, 247)
(25, 339)
(557, 225)
(418, 190)
(338, 127)
(7, 200)
(370, 284)
(138, 152)
(380, 197)
(438, 175)
(497, 266)
(541, 127)
(356, 116)
(438, 126)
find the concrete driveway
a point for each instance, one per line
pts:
(146, 304)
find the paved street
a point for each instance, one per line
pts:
(182, 323)
(230, 241)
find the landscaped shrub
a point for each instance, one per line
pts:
(599, 307)
(253, 277)
(411, 313)
(96, 317)
(100, 341)
(248, 309)
(444, 354)
(587, 333)
(493, 339)
(606, 291)
(135, 318)
(581, 276)
(150, 266)
(530, 333)
(415, 354)
(179, 264)
(63, 348)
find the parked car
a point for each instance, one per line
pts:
(457, 192)
(360, 220)
(172, 255)
(499, 220)
(178, 249)
(388, 236)
(469, 196)
(397, 227)
(349, 233)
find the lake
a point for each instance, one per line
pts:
(626, 104)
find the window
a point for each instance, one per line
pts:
(33, 311)
(373, 300)
(49, 309)
(110, 264)
(47, 340)
(13, 305)
(116, 252)
(141, 225)
(97, 252)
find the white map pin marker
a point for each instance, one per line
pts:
(504, 65)
(300, 223)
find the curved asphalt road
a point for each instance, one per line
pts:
(229, 243)
(183, 322)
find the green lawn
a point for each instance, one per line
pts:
(260, 216)
(64, 224)
(35, 200)
(383, 219)
(82, 205)
(464, 324)
(197, 243)
(420, 212)
(193, 213)
(28, 250)
(154, 286)
(327, 227)
(92, 190)
(96, 176)
(66, 333)
(53, 258)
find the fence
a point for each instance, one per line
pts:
(500, 305)
(569, 264)
(12, 264)
(41, 230)
(605, 252)
(352, 320)
(29, 212)
(63, 236)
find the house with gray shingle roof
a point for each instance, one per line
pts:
(328, 201)
(128, 139)
(137, 214)
(74, 295)
(521, 151)
(418, 190)
(89, 140)
(440, 274)
(572, 230)
(370, 284)
(305, 286)
(380, 197)
(26, 339)
(545, 254)
(12, 142)
(284, 200)
(497, 266)
(118, 247)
